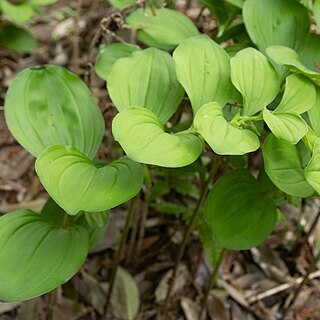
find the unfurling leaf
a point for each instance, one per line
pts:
(142, 137)
(36, 255)
(283, 165)
(164, 30)
(255, 78)
(75, 184)
(203, 69)
(49, 105)
(223, 137)
(237, 212)
(147, 78)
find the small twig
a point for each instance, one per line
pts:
(212, 281)
(119, 253)
(311, 268)
(188, 230)
(283, 287)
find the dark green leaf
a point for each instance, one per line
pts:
(36, 256)
(239, 216)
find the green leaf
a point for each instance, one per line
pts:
(288, 57)
(165, 30)
(203, 69)
(239, 215)
(223, 137)
(75, 184)
(49, 105)
(109, 54)
(120, 4)
(147, 78)
(312, 170)
(19, 13)
(36, 256)
(316, 11)
(283, 165)
(16, 38)
(314, 114)
(125, 296)
(255, 78)
(276, 22)
(299, 95)
(142, 137)
(287, 126)
(310, 53)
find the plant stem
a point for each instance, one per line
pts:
(188, 230)
(212, 281)
(124, 236)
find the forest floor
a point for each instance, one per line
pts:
(261, 283)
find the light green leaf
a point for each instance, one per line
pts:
(314, 114)
(165, 30)
(310, 53)
(237, 212)
(120, 4)
(19, 13)
(316, 11)
(147, 78)
(16, 38)
(312, 170)
(288, 57)
(223, 137)
(276, 22)
(109, 54)
(37, 256)
(75, 184)
(237, 3)
(203, 69)
(283, 165)
(49, 105)
(42, 2)
(287, 126)
(255, 78)
(125, 296)
(299, 95)
(142, 137)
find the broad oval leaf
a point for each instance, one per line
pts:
(255, 78)
(283, 165)
(276, 22)
(314, 114)
(203, 69)
(19, 13)
(312, 170)
(288, 57)
(49, 105)
(109, 54)
(164, 30)
(125, 298)
(16, 38)
(64, 170)
(310, 53)
(37, 256)
(142, 137)
(299, 95)
(147, 78)
(222, 137)
(287, 126)
(239, 216)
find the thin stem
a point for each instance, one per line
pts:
(188, 230)
(124, 236)
(212, 281)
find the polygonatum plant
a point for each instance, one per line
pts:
(182, 96)
(52, 114)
